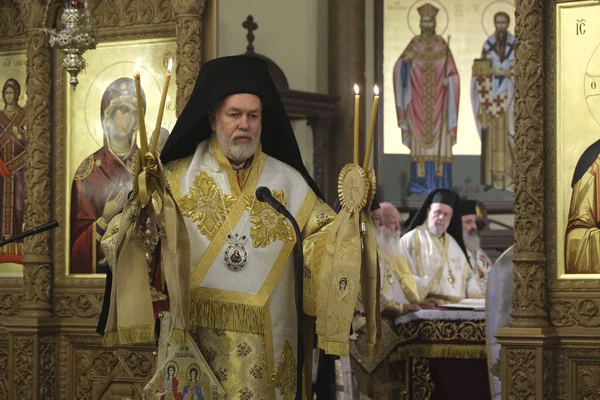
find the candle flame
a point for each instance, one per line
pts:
(356, 89)
(138, 65)
(170, 64)
(376, 90)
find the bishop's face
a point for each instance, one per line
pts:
(427, 25)
(470, 233)
(501, 23)
(237, 124)
(469, 223)
(377, 218)
(9, 96)
(438, 218)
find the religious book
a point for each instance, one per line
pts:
(482, 67)
(468, 304)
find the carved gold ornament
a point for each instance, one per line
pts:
(353, 188)
(422, 383)
(204, 206)
(268, 224)
(284, 374)
(75, 39)
(442, 331)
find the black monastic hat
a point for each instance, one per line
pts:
(447, 197)
(220, 78)
(468, 207)
(375, 203)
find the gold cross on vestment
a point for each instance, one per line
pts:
(354, 186)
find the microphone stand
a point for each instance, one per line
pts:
(30, 232)
(264, 194)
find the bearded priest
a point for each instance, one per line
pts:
(436, 254)
(479, 260)
(237, 292)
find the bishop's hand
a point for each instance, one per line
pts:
(429, 304)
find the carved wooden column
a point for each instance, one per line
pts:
(36, 272)
(526, 367)
(32, 337)
(189, 47)
(346, 67)
(529, 277)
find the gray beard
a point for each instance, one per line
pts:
(388, 241)
(435, 229)
(237, 152)
(472, 241)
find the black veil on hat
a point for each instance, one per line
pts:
(220, 78)
(448, 197)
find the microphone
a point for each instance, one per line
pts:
(264, 194)
(30, 232)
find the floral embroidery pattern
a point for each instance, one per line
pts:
(210, 355)
(284, 374)
(240, 366)
(269, 225)
(323, 219)
(307, 273)
(246, 394)
(244, 349)
(218, 332)
(256, 372)
(204, 206)
(221, 374)
(338, 323)
(349, 249)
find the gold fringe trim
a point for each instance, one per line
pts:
(110, 339)
(136, 334)
(334, 347)
(217, 314)
(177, 336)
(469, 351)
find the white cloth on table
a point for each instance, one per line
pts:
(446, 315)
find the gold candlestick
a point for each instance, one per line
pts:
(161, 108)
(356, 114)
(371, 128)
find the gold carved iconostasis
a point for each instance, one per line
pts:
(65, 154)
(551, 349)
(447, 113)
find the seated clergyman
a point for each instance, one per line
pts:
(480, 262)
(436, 254)
(398, 289)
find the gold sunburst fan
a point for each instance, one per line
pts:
(353, 188)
